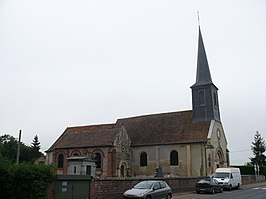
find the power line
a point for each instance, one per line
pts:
(240, 151)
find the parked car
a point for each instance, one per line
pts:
(149, 189)
(208, 185)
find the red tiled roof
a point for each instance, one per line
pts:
(165, 128)
(87, 136)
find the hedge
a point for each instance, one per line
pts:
(25, 180)
(249, 170)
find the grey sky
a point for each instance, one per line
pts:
(69, 63)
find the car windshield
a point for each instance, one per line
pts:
(143, 185)
(221, 175)
(204, 181)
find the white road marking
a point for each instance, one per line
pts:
(260, 188)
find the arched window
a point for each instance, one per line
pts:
(60, 163)
(220, 157)
(143, 159)
(201, 98)
(98, 158)
(174, 158)
(122, 170)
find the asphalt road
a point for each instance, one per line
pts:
(254, 191)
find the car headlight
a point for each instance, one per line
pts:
(142, 194)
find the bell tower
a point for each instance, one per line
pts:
(205, 103)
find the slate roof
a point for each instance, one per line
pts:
(203, 71)
(165, 128)
(154, 129)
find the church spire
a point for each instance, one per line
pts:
(204, 92)
(203, 71)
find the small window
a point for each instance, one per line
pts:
(143, 159)
(75, 170)
(98, 158)
(174, 158)
(60, 163)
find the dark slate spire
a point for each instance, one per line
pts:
(203, 71)
(204, 92)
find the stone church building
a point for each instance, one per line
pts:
(183, 143)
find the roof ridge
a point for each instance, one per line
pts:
(153, 114)
(92, 125)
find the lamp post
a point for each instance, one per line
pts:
(257, 171)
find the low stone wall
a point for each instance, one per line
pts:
(248, 179)
(114, 188)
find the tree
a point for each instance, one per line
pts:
(258, 148)
(35, 148)
(35, 145)
(9, 147)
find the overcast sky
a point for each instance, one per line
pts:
(68, 63)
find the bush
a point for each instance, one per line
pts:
(24, 180)
(5, 180)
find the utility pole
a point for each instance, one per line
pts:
(18, 151)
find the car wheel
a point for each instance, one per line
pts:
(213, 191)
(238, 186)
(169, 196)
(221, 190)
(230, 188)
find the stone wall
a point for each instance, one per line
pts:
(247, 179)
(114, 188)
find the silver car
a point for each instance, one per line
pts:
(149, 189)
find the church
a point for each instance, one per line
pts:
(182, 143)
